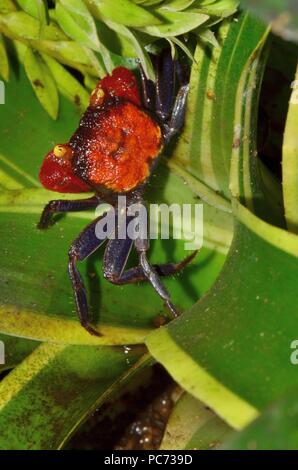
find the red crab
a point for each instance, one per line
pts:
(113, 152)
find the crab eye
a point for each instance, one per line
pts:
(97, 97)
(63, 151)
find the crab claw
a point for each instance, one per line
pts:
(56, 172)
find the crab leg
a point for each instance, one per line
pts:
(175, 123)
(115, 258)
(148, 91)
(61, 205)
(165, 85)
(81, 248)
(142, 247)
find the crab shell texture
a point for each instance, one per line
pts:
(114, 146)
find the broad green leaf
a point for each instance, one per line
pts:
(127, 13)
(283, 13)
(193, 426)
(290, 162)
(76, 21)
(204, 149)
(67, 84)
(232, 349)
(275, 429)
(45, 398)
(42, 82)
(4, 65)
(175, 23)
(250, 325)
(16, 350)
(36, 297)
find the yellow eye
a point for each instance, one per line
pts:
(97, 96)
(62, 151)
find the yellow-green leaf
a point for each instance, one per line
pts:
(76, 21)
(67, 84)
(42, 82)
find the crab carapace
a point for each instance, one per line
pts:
(114, 152)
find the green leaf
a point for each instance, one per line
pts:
(7, 6)
(16, 350)
(36, 8)
(51, 40)
(4, 64)
(175, 23)
(42, 82)
(76, 21)
(204, 150)
(208, 36)
(283, 13)
(140, 51)
(67, 84)
(192, 426)
(275, 429)
(127, 13)
(35, 292)
(115, 41)
(21, 25)
(48, 395)
(232, 349)
(220, 8)
(176, 5)
(290, 162)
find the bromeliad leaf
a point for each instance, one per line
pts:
(203, 152)
(57, 387)
(275, 429)
(42, 82)
(76, 21)
(192, 426)
(15, 350)
(248, 317)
